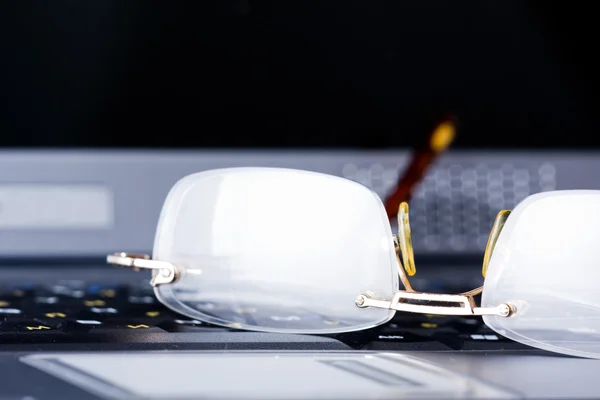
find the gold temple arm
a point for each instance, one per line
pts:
(405, 241)
(494, 234)
(401, 271)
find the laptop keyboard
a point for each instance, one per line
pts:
(84, 312)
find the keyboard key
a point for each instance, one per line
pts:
(9, 311)
(467, 324)
(77, 326)
(142, 299)
(190, 325)
(5, 303)
(46, 300)
(405, 342)
(122, 328)
(396, 337)
(490, 342)
(95, 302)
(26, 325)
(54, 315)
(69, 289)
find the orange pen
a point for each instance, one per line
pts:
(422, 157)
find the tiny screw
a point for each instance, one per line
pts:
(360, 300)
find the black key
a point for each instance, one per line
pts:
(9, 312)
(141, 294)
(406, 341)
(29, 331)
(121, 327)
(46, 299)
(77, 326)
(68, 293)
(190, 325)
(106, 291)
(98, 302)
(100, 307)
(41, 310)
(12, 293)
(10, 301)
(418, 321)
(52, 316)
(72, 283)
(154, 317)
(433, 328)
(467, 324)
(394, 337)
(142, 299)
(102, 312)
(490, 342)
(156, 311)
(163, 318)
(40, 303)
(50, 295)
(26, 325)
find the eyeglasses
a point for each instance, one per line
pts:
(282, 250)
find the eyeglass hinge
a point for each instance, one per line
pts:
(463, 305)
(166, 272)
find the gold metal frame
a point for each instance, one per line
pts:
(165, 271)
(403, 300)
(453, 304)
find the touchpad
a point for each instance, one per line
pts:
(259, 375)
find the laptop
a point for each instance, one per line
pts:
(93, 141)
(76, 327)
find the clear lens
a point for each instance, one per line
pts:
(276, 250)
(547, 263)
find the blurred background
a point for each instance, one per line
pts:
(272, 73)
(518, 77)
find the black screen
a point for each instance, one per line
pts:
(333, 74)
